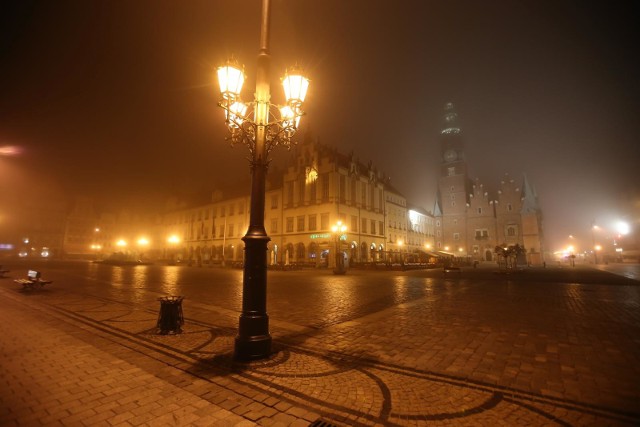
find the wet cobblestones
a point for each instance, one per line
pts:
(379, 349)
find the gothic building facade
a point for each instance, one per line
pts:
(470, 220)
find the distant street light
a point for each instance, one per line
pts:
(173, 241)
(260, 126)
(338, 230)
(594, 227)
(622, 228)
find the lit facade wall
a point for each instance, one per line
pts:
(319, 188)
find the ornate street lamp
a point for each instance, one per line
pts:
(338, 230)
(260, 126)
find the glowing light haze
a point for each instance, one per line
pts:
(92, 90)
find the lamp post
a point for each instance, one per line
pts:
(173, 242)
(143, 243)
(338, 230)
(594, 227)
(260, 126)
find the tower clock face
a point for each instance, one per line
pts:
(450, 155)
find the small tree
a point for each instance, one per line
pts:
(509, 254)
(502, 252)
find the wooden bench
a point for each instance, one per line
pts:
(33, 281)
(3, 271)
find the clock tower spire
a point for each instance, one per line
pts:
(453, 185)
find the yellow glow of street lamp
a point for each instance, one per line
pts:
(122, 243)
(459, 249)
(143, 241)
(289, 117)
(295, 86)
(427, 246)
(570, 248)
(446, 248)
(173, 239)
(236, 114)
(339, 227)
(230, 79)
(598, 247)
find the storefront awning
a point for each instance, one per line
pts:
(447, 254)
(428, 253)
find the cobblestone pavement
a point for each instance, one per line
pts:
(470, 349)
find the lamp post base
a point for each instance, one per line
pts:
(253, 340)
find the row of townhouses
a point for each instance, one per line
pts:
(319, 188)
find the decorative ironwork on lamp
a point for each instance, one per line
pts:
(281, 122)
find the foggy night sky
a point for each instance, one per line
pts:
(118, 98)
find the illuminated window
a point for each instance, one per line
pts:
(274, 225)
(364, 225)
(300, 223)
(373, 226)
(274, 201)
(354, 224)
(451, 171)
(289, 224)
(313, 222)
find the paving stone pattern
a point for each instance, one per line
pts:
(462, 351)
